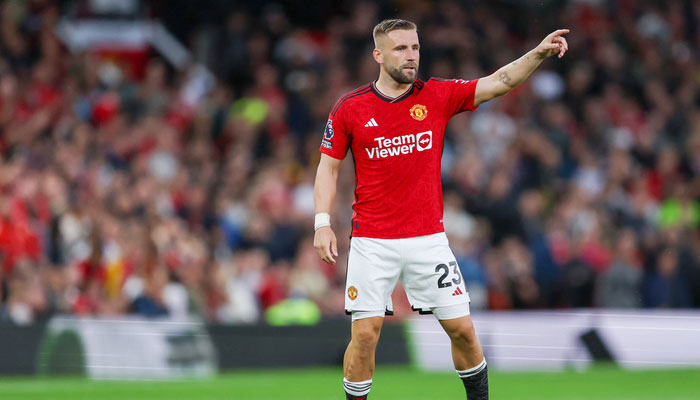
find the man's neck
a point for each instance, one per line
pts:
(389, 87)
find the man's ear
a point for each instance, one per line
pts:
(378, 56)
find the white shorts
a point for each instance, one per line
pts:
(425, 265)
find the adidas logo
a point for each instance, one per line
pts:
(458, 292)
(371, 122)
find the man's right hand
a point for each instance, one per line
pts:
(326, 244)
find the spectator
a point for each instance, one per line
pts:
(665, 287)
(620, 286)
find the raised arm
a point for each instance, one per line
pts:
(508, 77)
(325, 241)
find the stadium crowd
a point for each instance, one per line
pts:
(579, 189)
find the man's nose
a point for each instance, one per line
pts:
(412, 55)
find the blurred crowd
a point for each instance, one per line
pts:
(581, 188)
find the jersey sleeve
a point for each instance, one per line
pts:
(336, 138)
(460, 95)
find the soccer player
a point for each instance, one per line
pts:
(395, 128)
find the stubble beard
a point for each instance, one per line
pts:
(399, 76)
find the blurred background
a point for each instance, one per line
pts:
(157, 158)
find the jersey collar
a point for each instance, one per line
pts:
(403, 96)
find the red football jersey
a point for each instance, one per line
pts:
(397, 147)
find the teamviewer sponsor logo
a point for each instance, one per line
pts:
(405, 144)
(424, 141)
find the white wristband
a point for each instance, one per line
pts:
(321, 219)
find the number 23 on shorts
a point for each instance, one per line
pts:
(445, 274)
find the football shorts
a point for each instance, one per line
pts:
(425, 265)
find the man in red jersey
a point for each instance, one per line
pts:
(395, 129)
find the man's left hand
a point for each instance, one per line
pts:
(554, 43)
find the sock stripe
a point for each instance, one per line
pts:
(472, 371)
(345, 380)
(357, 392)
(467, 375)
(357, 388)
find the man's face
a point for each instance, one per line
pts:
(400, 55)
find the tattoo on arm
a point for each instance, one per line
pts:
(504, 77)
(526, 57)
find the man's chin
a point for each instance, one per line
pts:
(404, 77)
(407, 78)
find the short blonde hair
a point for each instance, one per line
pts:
(389, 25)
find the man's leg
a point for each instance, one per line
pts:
(468, 356)
(358, 365)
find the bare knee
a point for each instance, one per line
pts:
(463, 333)
(365, 337)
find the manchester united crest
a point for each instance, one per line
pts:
(419, 112)
(352, 292)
